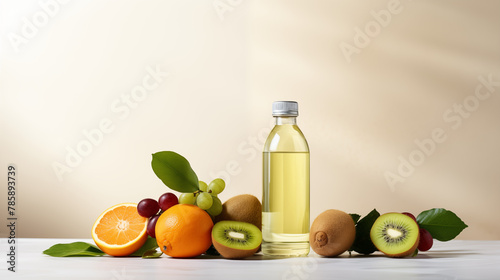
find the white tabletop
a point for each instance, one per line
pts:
(447, 260)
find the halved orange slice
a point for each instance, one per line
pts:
(120, 230)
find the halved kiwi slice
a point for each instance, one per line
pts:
(236, 240)
(395, 235)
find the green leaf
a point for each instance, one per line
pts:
(151, 254)
(355, 218)
(363, 243)
(175, 171)
(442, 224)
(415, 253)
(212, 251)
(149, 245)
(75, 249)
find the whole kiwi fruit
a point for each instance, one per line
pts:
(332, 233)
(242, 208)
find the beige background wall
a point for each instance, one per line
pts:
(87, 65)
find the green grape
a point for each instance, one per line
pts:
(203, 186)
(187, 198)
(204, 201)
(216, 186)
(216, 208)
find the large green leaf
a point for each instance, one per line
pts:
(151, 254)
(442, 224)
(75, 249)
(175, 171)
(150, 244)
(355, 217)
(363, 243)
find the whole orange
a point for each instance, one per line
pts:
(184, 231)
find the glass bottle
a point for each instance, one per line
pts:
(285, 201)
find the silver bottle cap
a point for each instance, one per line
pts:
(285, 108)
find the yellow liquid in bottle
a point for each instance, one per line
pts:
(285, 213)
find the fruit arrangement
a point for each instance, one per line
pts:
(198, 223)
(395, 234)
(205, 199)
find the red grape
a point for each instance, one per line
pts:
(148, 207)
(410, 215)
(425, 240)
(152, 225)
(167, 200)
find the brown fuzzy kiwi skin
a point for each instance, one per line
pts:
(332, 233)
(242, 208)
(230, 253)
